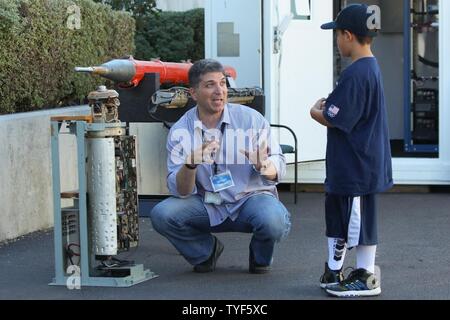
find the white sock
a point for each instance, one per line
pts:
(365, 258)
(336, 253)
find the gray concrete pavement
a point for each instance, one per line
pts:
(414, 257)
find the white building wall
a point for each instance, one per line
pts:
(406, 170)
(26, 193)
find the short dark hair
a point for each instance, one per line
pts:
(201, 68)
(362, 40)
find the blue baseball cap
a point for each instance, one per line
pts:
(353, 18)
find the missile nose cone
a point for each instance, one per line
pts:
(117, 70)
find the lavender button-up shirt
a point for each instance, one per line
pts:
(244, 128)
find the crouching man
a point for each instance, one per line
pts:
(219, 185)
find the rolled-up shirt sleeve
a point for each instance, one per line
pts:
(176, 155)
(279, 161)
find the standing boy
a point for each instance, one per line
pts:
(358, 164)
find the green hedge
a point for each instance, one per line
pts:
(171, 36)
(38, 51)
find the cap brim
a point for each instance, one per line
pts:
(329, 26)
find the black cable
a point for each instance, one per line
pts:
(428, 62)
(120, 261)
(73, 253)
(70, 253)
(113, 262)
(312, 161)
(152, 110)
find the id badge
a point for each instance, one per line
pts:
(213, 198)
(222, 181)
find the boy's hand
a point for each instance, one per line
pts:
(320, 104)
(317, 113)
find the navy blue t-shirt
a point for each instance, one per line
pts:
(358, 160)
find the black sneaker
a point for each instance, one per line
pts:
(210, 264)
(255, 268)
(360, 283)
(331, 277)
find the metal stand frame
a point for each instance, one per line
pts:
(137, 272)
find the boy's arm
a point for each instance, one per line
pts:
(317, 113)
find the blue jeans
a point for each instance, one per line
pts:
(185, 223)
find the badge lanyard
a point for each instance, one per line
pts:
(219, 182)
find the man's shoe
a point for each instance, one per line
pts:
(360, 283)
(210, 264)
(255, 268)
(331, 277)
